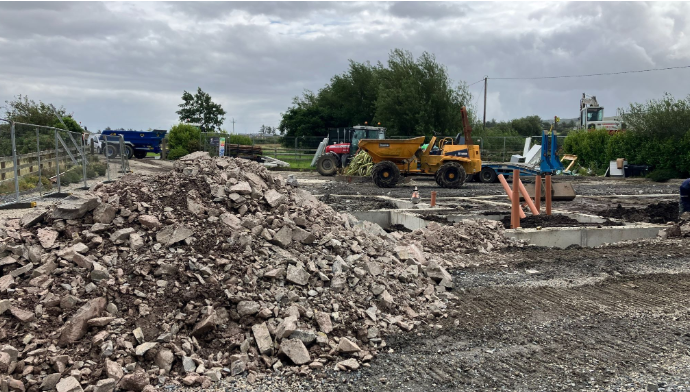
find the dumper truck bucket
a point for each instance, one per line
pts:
(560, 191)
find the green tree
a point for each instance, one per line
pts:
(184, 139)
(417, 96)
(407, 96)
(665, 117)
(200, 109)
(27, 111)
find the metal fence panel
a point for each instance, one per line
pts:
(39, 161)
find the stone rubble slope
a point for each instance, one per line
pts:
(216, 269)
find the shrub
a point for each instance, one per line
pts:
(177, 153)
(240, 139)
(184, 136)
(663, 175)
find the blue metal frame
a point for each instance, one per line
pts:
(550, 162)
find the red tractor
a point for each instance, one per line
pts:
(339, 154)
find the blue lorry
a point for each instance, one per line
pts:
(136, 143)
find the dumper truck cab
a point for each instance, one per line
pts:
(339, 154)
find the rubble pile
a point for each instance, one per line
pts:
(216, 269)
(466, 236)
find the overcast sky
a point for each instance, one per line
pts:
(126, 64)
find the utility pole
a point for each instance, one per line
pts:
(485, 83)
(233, 125)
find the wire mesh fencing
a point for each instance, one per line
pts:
(39, 161)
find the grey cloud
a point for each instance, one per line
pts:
(119, 64)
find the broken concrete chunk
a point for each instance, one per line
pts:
(104, 213)
(75, 207)
(47, 237)
(297, 275)
(149, 221)
(248, 308)
(295, 350)
(76, 327)
(170, 235)
(69, 384)
(347, 346)
(263, 339)
(274, 198)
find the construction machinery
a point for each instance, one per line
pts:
(592, 115)
(448, 159)
(330, 158)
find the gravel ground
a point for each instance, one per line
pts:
(605, 319)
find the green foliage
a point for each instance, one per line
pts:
(658, 135)
(26, 111)
(185, 136)
(200, 109)
(177, 153)
(663, 175)
(408, 96)
(240, 139)
(665, 117)
(71, 124)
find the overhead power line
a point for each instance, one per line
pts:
(589, 75)
(480, 80)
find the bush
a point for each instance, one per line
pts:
(240, 139)
(184, 136)
(663, 175)
(177, 153)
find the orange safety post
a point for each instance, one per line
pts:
(509, 192)
(548, 194)
(537, 192)
(433, 198)
(514, 217)
(528, 199)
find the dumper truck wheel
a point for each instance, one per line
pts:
(327, 165)
(111, 151)
(140, 154)
(385, 174)
(129, 152)
(488, 175)
(451, 175)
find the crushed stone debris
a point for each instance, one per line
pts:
(215, 269)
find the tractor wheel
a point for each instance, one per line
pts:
(488, 175)
(327, 165)
(451, 175)
(129, 152)
(140, 154)
(470, 178)
(385, 174)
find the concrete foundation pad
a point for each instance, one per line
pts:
(562, 237)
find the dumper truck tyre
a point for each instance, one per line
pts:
(488, 175)
(451, 175)
(129, 152)
(327, 165)
(111, 151)
(140, 154)
(385, 174)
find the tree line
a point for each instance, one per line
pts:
(408, 96)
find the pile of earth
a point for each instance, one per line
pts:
(660, 213)
(554, 220)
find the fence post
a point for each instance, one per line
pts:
(82, 150)
(38, 156)
(164, 146)
(57, 161)
(92, 147)
(504, 148)
(14, 160)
